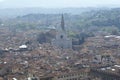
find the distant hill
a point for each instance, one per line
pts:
(110, 17)
(88, 20)
(11, 13)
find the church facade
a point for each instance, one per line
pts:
(62, 40)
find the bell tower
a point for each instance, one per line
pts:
(62, 23)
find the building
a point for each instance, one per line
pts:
(104, 59)
(79, 75)
(106, 73)
(61, 40)
(82, 74)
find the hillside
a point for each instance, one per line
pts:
(93, 21)
(12, 13)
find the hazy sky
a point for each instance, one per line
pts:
(58, 3)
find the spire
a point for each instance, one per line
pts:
(62, 23)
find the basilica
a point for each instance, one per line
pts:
(61, 40)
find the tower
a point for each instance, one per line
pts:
(62, 23)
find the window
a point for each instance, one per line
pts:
(61, 36)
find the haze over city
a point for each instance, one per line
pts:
(59, 39)
(58, 3)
